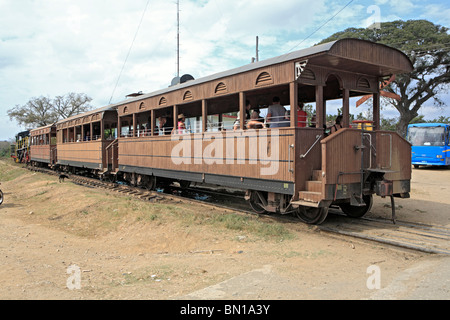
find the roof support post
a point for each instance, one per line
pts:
(152, 122)
(175, 118)
(134, 125)
(293, 94)
(346, 108)
(320, 107)
(376, 111)
(242, 110)
(204, 114)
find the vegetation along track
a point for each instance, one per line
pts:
(415, 236)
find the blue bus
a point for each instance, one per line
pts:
(430, 144)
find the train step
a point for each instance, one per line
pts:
(310, 196)
(314, 186)
(317, 175)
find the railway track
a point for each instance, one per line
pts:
(416, 236)
(421, 237)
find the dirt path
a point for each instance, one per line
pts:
(122, 248)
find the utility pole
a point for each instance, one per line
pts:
(178, 38)
(257, 48)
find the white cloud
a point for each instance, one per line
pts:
(52, 47)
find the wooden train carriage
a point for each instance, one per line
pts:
(43, 146)
(283, 169)
(84, 139)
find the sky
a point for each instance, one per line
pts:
(108, 49)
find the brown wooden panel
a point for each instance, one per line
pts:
(262, 154)
(90, 152)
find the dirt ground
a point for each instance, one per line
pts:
(64, 241)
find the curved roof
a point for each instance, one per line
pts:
(354, 55)
(349, 54)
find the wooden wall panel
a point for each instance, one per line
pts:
(90, 152)
(241, 153)
(40, 152)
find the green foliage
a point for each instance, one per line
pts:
(42, 111)
(426, 44)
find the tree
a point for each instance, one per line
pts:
(43, 111)
(427, 45)
(71, 104)
(37, 112)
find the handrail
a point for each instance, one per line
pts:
(291, 146)
(110, 145)
(302, 156)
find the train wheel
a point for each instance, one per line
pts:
(184, 184)
(150, 184)
(1, 196)
(256, 203)
(358, 212)
(312, 215)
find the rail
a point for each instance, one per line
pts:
(302, 156)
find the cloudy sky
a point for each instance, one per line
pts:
(53, 47)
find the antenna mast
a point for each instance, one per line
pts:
(178, 38)
(257, 48)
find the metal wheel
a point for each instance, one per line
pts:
(312, 215)
(1, 196)
(256, 203)
(151, 183)
(358, 212)
(184, 184)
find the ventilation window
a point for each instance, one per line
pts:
(162, 101)
(188, 96)
(263, 79)
(363, 83)
(142, 106)
(125, 110)
(308, 74)
(221, 88)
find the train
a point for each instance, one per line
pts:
(183, 134)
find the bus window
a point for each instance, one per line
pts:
(426, 136)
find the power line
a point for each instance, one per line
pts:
(322, 25)
(129, 50)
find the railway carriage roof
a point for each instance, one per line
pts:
(354, 55)
(40, 128)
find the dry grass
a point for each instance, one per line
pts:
(89, 212)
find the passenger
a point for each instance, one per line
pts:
(237, 123)
(313, 121)
(254, 122)
(181, 127)
(337, 125)
(301, 115)
(276, 114)
(162, 125)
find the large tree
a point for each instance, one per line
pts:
(71, 104)
(37, 112)
(427, 45)
(42, 111)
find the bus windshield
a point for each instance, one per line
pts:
(426, 136)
